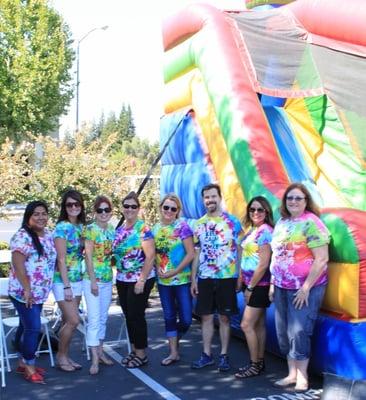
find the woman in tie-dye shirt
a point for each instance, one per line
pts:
(33, 257)
(67, 282)
(134, 251)
(256, 256)
(174, 254)
(299, 275)
(98, 278)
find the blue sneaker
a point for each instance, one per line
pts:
(224, 363)
(204, 361)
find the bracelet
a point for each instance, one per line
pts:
(250, 288)
(67, 287)
(142, 280)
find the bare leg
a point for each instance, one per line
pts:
(302, 374)
(173, 351)
(292, 374)
(249, 325)
(94, 368)
(102, 356)
(207, 332)
(224, 333)
(261, 334)
(70, 317)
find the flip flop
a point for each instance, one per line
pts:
(77, 366)
(66, 367)
(169, 361)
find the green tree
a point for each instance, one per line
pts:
(35, 59)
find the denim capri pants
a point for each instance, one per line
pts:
(294, 327)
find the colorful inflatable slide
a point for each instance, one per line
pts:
(258, 99)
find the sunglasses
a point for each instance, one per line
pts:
(259, 210)
(106, 210)
(167, 208)
(73, 205)
(294, 198)
(133, 206)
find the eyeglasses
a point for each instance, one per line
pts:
(259, 210)
(71, 205)
(133, 206)
(294, 198)
(167, 208)
(106, 210)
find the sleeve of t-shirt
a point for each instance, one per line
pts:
(238, 230)
(185, 231)
(21, 243)
(264, 236)
(60, 231)
(317, 233)
(146, 233)
(196, 240)
(89, 233)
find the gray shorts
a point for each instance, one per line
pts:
(294, 327)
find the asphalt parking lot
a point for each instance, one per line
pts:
(153, 381)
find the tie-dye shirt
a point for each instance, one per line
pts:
(72, 234)
(128, 252)
(217, 238)
(170, 251)
(39, 269)
(292, 241)
(253, 239)
(102, 251)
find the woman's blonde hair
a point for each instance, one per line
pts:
(172, 197)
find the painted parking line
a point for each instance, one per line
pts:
(155, 386)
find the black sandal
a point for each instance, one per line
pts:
(253, 369)
(128, 358)
(137, 362)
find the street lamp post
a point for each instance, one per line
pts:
(78, 72)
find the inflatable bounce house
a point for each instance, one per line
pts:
(258, 99)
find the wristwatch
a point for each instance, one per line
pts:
(250, 288)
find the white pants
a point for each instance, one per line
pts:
(97, 311)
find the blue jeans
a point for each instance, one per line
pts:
(294, 327)
(176, 301)
(27, 334)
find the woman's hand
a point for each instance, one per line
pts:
(194, 288)
(28, 298)
(68, 295)
(247, 295)
(300, 298)
(271, 293)
(139, 287)
(168, 274)
(94, 288)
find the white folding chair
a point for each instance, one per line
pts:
(12, 324)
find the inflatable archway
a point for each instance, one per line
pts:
(262, 98)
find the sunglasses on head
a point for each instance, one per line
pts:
(106, 210)
(133, 206)
(167, 208)
(259, 210)
(75, 204)
(295, 198)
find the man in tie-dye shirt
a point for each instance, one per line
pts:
(215, 273)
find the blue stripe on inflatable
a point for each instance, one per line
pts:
(184, 170)
(287, 146)
(184, 146)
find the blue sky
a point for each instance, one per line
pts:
(122, 64)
